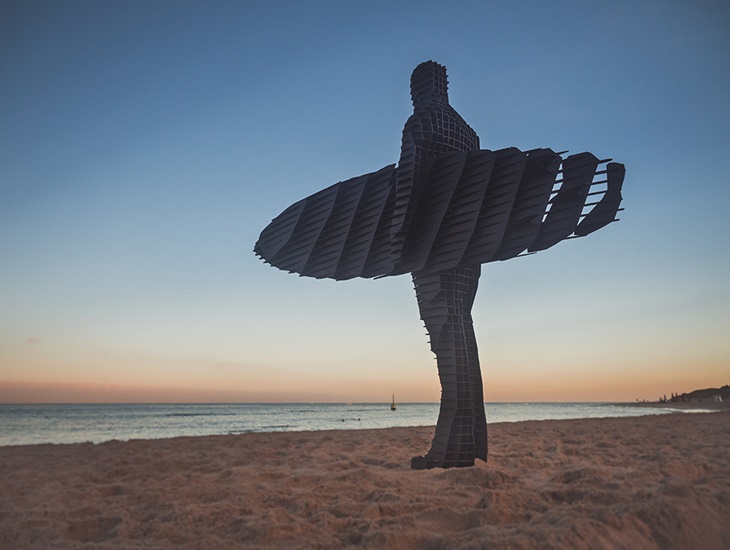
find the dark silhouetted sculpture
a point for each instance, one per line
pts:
(445, 209)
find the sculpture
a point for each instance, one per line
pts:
(445, 209)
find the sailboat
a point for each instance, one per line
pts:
(392, 405)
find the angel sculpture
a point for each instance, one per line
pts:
(446, 208)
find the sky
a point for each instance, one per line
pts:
(144, 145)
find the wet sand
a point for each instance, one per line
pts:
(650, 482)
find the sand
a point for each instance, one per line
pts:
(649, 482)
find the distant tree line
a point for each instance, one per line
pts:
(708, 394)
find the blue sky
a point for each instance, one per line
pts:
(145, 145)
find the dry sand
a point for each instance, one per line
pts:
(651, 482)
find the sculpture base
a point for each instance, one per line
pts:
(422, 463)
(425, 463)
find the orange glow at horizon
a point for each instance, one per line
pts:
(497, 388)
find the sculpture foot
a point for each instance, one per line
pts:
(459, 463)
(423, 463)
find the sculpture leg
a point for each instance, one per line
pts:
(475, 373)
(445, 300)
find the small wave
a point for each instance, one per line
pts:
(189, 414)
(270, 428)
(692, 410)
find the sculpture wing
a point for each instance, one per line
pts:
(476, 207)
(605, 210)
(566, 206)
(340, 232)
(483, 206)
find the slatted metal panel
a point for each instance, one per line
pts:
(533, 194)
(605, 211)
(566, 206)
(432, 207)
(372, 212)
(460, 220)
(496, 207)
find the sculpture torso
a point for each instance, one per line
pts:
(434, 128)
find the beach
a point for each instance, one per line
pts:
(644, 482)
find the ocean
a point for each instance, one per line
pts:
(34, 424)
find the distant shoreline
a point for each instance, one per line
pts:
(694, 405)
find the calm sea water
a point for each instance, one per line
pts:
(32, 424)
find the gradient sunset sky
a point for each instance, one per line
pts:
(145, 144)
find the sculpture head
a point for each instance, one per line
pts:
(429, 83)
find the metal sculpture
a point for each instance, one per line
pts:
(445, 209)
